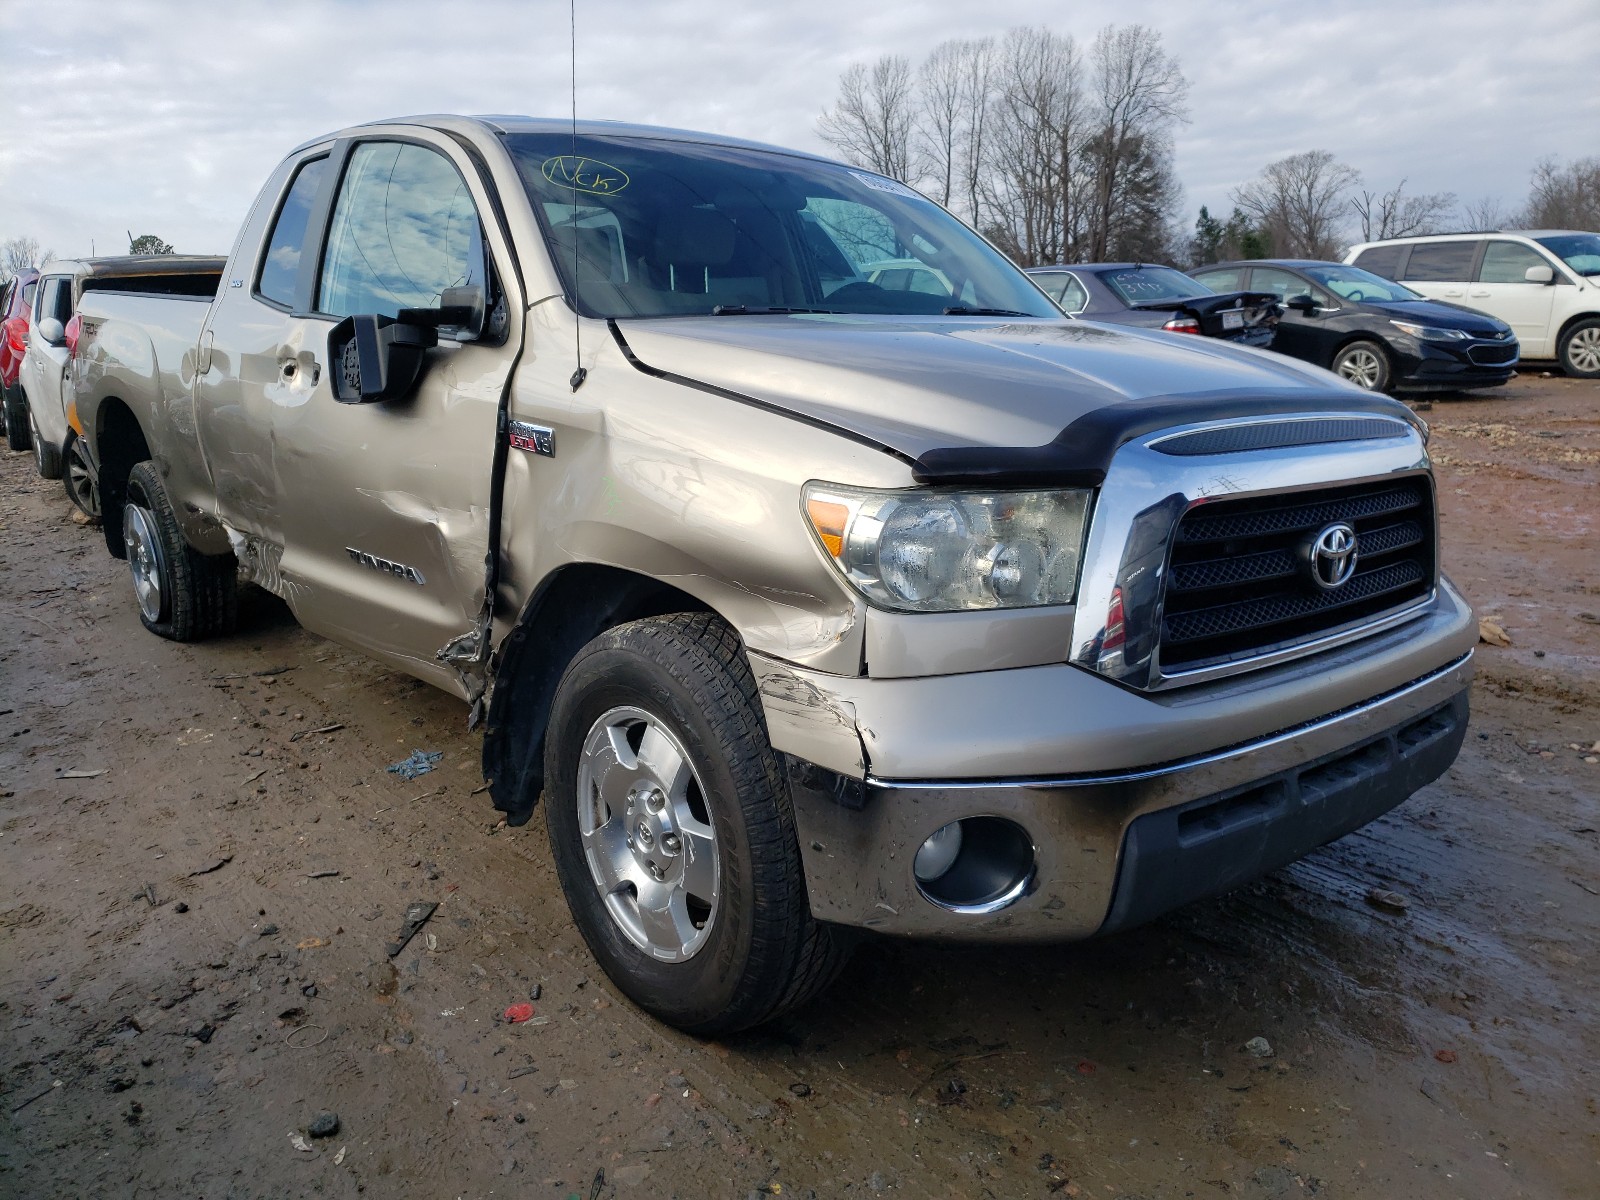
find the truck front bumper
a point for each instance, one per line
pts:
(1141, 819)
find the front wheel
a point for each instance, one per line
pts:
(183, 595)
(671, 829)
(1580, 350)
(1365, 364)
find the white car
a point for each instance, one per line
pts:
(1544, 283)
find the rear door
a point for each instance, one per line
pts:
(1500, 287)
(1441, 270)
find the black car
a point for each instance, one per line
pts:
(1376, 333)
(1158, 297)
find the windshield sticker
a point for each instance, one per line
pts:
(584, 174)
(879, 183)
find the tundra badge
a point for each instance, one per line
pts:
(398, 570)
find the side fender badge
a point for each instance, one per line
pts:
(535, 439)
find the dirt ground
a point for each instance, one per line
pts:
(202, 857)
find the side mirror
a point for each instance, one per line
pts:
(1304, 302)
(374, 358)
(460, 308)
(54, 333)
(1540, 274)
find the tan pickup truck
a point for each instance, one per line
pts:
(809, 604)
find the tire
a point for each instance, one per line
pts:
(707, 964)
(79, 478)
(1365, 364)
(46, 457)
(183, 595)
(16, 419)
(1580, 350)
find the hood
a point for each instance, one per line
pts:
(918, 384)
(1437, 312)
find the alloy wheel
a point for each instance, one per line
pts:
(144, 559)
(81, 480)
(1362, 368)
(1583, 349)
(647, 834)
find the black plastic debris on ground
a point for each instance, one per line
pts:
(417, 914)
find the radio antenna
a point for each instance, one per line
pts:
(580, 374)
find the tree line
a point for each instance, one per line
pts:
(1062, 151)
(1056, 150)
(1311, 205)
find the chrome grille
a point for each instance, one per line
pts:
(1237, 585)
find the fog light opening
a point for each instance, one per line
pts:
(938, 853)
(975, 865)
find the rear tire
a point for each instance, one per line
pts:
(1580, 350)
(79, 478)
(46, 457)
(710, 945)
(183, 595)
(1365, 364)
(16, 419)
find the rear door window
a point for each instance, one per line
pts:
(1508, 262)
(280, 266)
(1381, 260)
(404, 230)
(1229, 279)
(1272, 279)
(1442, 262)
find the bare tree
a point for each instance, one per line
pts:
(955, 95)
(1486, 212)
(1031, 207)
(1393, 214)
(1564, 197)
(1299, 200)
(1141, 94)
(873, 124)
(21, 254)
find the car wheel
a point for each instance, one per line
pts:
(672, 833)
(1365, 364)
(182, 594)
(46, 458)
(16, 420)
(82, 484)
(1580, 350)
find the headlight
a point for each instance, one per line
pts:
(1431, 333)
(947, 551)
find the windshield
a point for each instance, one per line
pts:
(1580, 251)
(641, 227)
(1146, 285)
(1352, 283)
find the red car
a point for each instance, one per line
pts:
(16, 302)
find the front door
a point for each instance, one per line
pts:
(1502, 290)
(370, 520)
(1301, 334)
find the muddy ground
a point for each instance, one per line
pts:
(202, 858)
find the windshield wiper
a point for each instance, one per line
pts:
(744, 310)
(961, 310)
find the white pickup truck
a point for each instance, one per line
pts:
(809, 605)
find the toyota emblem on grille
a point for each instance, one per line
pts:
(1332, 556)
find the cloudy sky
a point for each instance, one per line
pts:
(164, 116)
